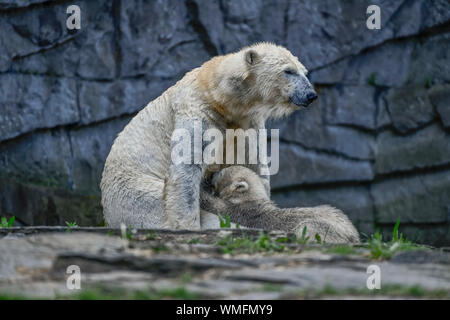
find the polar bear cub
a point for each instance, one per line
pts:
(247, 202)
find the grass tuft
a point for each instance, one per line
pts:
(180, 293)
(5, 223)
(70, 226)
(263, 243)
(380, 250)
(372, 80)
(225, 222)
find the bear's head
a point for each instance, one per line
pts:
(239, 184)
(263, 81)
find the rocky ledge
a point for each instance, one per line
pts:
(211, 264)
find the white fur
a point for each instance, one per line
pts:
(139, 186)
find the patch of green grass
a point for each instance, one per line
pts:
(389, 290)
(185, 278)
(95, 294)
(263, 243)
(180, 293)
(399, 290)
(161, 248)
(380, 250)
(225, 222)
(342, 249)
(127, 232)
(152, 235)
(374, 246)
(194, 241)
(5, 223)
(427, 82)
(329, 290)
(318, 239)
(49, 182)
(71, 225)
(5, 296)
(324, 237)
(102, 223)
(304, 239)
(372, 80)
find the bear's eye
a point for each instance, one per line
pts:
(290, 72)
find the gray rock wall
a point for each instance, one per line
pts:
(376, 144)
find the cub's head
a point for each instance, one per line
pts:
(268, 79)
(239, 184)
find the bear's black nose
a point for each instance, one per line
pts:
(310, 97)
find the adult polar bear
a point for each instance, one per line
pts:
(142, 187)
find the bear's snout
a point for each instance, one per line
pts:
(310, 97)
(303, 99)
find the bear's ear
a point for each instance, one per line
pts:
(251, 56)
(240, 186)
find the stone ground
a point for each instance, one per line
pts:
(187, 264)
